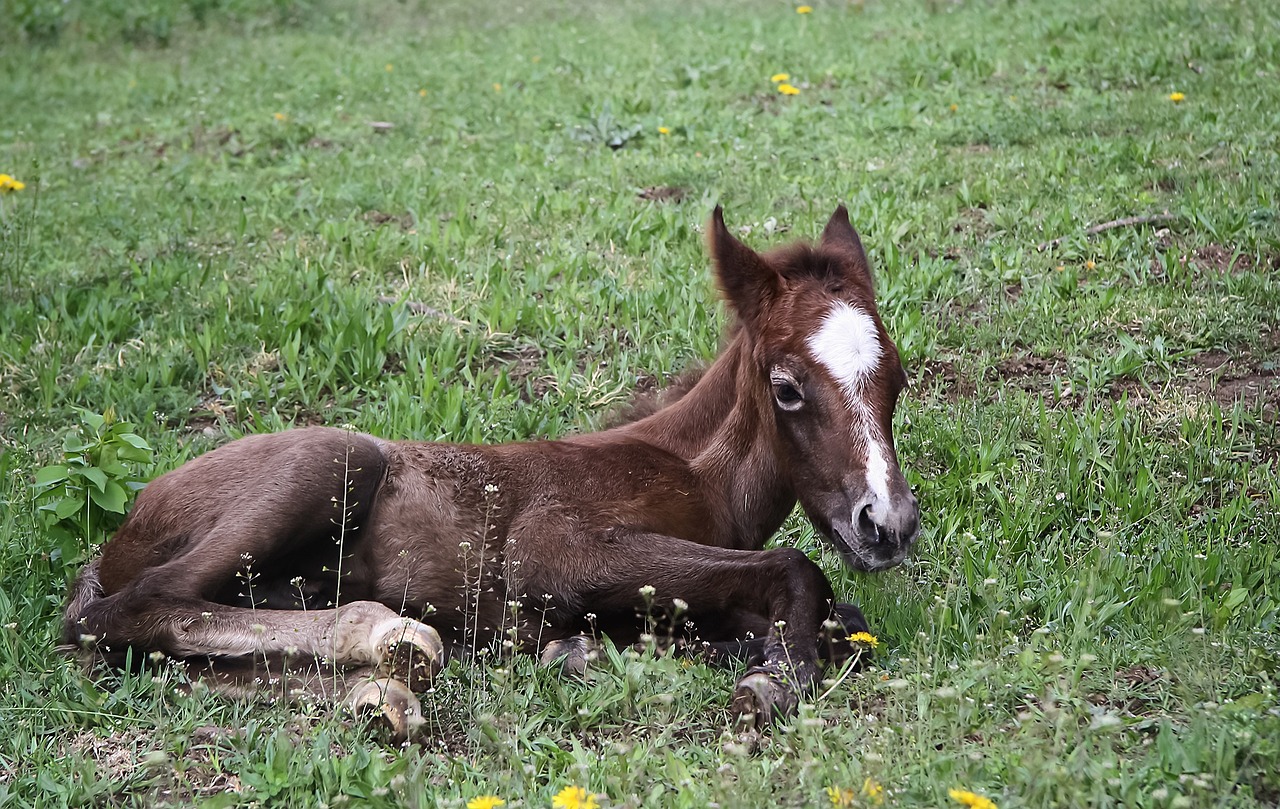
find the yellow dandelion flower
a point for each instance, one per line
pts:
(664, 130)
(864, 637)
(955, 107)
(574, 798)
(389, 68)
(8, 184)
(422, 93)
(841, 797)
(777, 77)
(804, 9)
(1089, 265)
(1177, 98)
(872, 791)
(280, 116)
(485, 802)
(788, 90)
(497, 88)
(971, 799)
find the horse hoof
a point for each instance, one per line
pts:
(408, 651)
(393, 702)
(760, 700)
(573, 655)
(851, 618)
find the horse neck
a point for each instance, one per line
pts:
(724, 428)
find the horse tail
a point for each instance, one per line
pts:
(86, 590)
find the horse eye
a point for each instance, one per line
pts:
(788, 397)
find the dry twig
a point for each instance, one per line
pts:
(1127, 222)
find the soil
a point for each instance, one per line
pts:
(663, 193)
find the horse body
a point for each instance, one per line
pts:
(380, 555)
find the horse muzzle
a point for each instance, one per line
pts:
(876, 534)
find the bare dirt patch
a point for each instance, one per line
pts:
(522, 363)
(1031, 373)
(1230, 377)
(1216, 258)
(949, 382)
(662, 193)
(130, 759)
(380, 218)
(974, 221)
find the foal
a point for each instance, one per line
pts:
(377, 557)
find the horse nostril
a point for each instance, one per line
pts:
(868, 527)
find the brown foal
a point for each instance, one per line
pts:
(375, 558)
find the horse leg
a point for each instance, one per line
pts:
(366, 692)
(270, 500)
(747, 644)
(631, 573)
(361, 633)
(572, 655)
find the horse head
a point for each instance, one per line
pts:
(829, 377)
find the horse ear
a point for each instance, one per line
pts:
(748, 282)
(840, 235)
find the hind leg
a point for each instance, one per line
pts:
(362, 633)
(365, 692)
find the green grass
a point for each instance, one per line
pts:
(1091, 617)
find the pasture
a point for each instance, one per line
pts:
(445, 222)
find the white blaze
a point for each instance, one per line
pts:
(848, 346)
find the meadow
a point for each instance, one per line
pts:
(454, 221)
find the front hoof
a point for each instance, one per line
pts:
(573, 655)
(851, 618)
(760, 700)
(408, 651)
(390, 700)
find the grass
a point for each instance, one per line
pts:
(210, 220)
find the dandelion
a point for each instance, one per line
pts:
(971, 799)
(280, 116)
(955, 107)
(574, 798)
(804, 9)
(864, 637)
(664, 130)
(1089, 265)
(485, 802)
(873, 791)
(788, 90)
(389, 68)
(841, 797)
(497, 88)
(777, 77)
(1177, 98)
(8, 184)
(422, 93)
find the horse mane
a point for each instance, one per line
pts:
(647, 401)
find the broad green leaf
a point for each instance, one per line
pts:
(67, 507)
(1236, 597)
(97, 476)
(128, 453)
(50, 475)
(112, 498)
(134, 441)
(73, 444)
